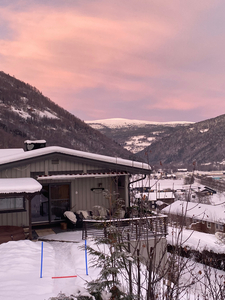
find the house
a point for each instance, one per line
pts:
(70, 179)
(208, 191)
(197, 216)
(15, 200)
(156, 199)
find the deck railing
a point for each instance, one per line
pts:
(137, 228)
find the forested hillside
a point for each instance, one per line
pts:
(27, 114)
(200, 144)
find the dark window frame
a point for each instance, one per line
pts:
(2, 211)
(209, 225)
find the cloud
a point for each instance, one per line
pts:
(102, 58)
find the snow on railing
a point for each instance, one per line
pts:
(137, 228)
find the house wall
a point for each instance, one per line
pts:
(198, 225)
(44, 167)
(154, 249)
(82, 198)
(204, 226)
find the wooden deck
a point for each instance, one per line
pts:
(137, 228)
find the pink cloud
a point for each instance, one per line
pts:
(149, 50)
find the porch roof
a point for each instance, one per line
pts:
(19, 185)
(83, 175)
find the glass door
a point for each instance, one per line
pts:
(40, 207)
(59, 201)
(51, 204)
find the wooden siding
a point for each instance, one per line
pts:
(195, 224)
(45, 166)
(16, 218)
(82, 198)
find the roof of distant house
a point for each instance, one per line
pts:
(198, 211)
(155, 195)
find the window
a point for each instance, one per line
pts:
(12, 204)
(208, 225)
(219, 227)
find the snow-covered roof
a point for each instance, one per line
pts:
(8, 152)
(166, 184)
(19, 185)
(34, 141)
(76, 153)
(72, 176)
(198, 211)
(155, 195)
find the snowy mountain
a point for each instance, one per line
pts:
(200, 145)
(27, 114)
(172, 144)
(135, 135)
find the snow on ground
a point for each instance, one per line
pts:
(20, 265)
(138, 143)
(22, 113)
(20, 268)
(41, 114)
(195, 240)
(47, 114)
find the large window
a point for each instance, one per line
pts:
(12, 204)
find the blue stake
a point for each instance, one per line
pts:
(41, 259)
(86, 257)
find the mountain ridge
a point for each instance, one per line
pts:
(27, 114)
(117, 122)
(183, 145)
(135, 135)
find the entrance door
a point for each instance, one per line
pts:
(40, 207)
(50, 205)
(59, 201)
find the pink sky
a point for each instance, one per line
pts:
(150, 60)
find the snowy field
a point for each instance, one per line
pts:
(20, 265)
(20, 268)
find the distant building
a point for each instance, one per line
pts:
(197, 216)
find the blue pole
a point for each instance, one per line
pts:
(86, 257)
(41, 259)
